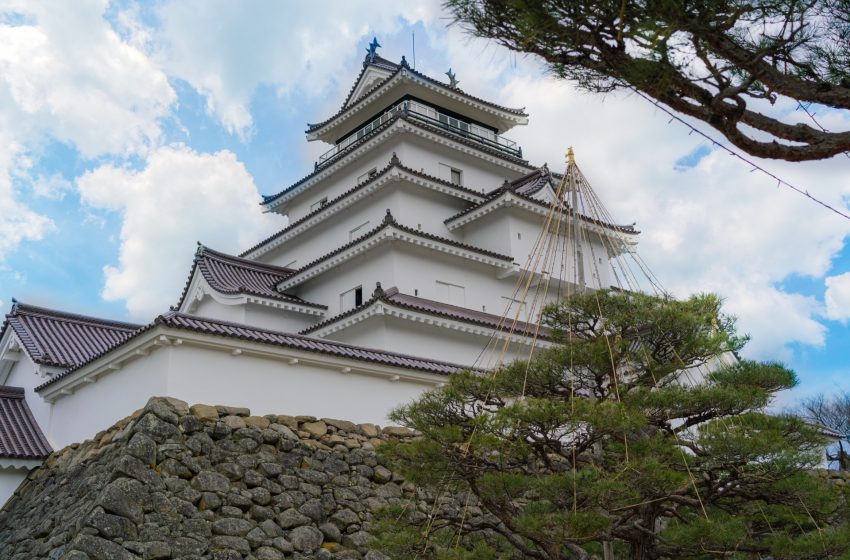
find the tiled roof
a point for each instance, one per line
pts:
(63, 340)
(234, 275)
(413, 303)
(389, 221)
(306, 343)
(267, 199)
(394, 163)
(403, 67)
(528, 185)
(20, 436)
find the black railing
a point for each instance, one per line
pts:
(429, 116)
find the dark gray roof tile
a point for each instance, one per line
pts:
(20, 436)
(58, 339)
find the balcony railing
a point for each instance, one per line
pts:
(431, 116)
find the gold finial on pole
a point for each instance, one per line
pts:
(571, 158)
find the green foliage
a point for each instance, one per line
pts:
(639, 428)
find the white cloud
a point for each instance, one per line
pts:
(67, 73)
(837, 297)
(225, 51)
(180, 197)
(18, 223)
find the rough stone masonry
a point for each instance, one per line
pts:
(206, 482)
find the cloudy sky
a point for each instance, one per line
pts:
(130, 131)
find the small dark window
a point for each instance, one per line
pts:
(456, 177)
(358, 296)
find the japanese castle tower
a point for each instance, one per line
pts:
(402, 262)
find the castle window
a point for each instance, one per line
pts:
(351, 299)
(451, 293)
(368, 175)
(451, 174)
(316, 205)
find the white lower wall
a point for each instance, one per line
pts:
(115, 395)
(270, 386)
(10, 479)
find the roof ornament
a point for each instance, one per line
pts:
(379, 291)
(571, 157)
(404, 63)
(388, 218)
(453, 81)
(394, 160)
(373, 49)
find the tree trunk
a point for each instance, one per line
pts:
(643, 547)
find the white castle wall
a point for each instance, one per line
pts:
(96, 406)
(265, 384)
(417, 153)
(411, 205)
(25, 374)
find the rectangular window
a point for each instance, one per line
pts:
(451, 294)
(358, 231)
(368, 175)
(316, 205)
(351, 299)
(451, 174)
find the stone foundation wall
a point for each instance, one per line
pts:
(206, 482)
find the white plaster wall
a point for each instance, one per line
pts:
(491, 232)
(10, 479)
(208, 307)
(479, 175)
(415, 271)
(215, 377)
(256, 315)
(437, 343)
(282, 320)
(344, 178)
(411, 205)
(376, 265)
(115, 395)
(24, 374)
(415, 152)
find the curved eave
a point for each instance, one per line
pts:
(200, 287)
(389, 308)
(331, 130)
(390, 232)
(512, 200)
(399, 125)
(392, 174)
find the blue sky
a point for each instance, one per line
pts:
(131, 131)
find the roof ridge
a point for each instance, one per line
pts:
(10, 392)
(20, 308)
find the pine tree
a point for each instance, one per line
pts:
(638, 435)
(724, 62)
